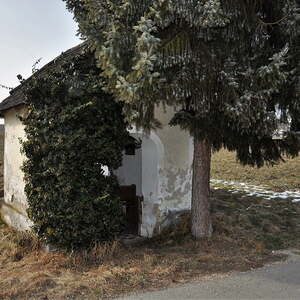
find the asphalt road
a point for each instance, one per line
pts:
(277, 281)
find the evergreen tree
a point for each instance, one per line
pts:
(229, 68)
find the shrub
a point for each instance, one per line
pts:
(73, 129)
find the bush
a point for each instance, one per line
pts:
(73, 129)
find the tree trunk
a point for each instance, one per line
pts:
(201, 219)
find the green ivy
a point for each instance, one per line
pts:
(73, 128)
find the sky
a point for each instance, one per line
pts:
(29, 30)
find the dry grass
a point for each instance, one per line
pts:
(16, 245)
(39, 275)
(281, 177)
(246, 229)
(1, 161)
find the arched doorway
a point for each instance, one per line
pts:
(139, 180)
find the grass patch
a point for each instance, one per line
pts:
(281, 177)
(273, 223)
(246, 229)
(14, 245)
(1, 162)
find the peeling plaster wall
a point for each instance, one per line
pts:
(162, 173)
(167, 155)
(150, 185)
(13, 208)
(175, 173)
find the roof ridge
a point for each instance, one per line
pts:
(16, 96)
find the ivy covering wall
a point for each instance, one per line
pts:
(73, 129)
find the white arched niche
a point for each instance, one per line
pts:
(142, 169)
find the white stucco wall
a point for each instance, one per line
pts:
(13, 209)
(166, 164)
(161, 170)
(131, 171)
(175, 168)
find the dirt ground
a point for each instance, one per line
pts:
(246, 230)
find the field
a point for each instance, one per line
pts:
(246, 231)
(281, 177)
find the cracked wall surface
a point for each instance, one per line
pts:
(165, 171)
(175, 174)
(13, 208)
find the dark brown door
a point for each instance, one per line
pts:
(132, 208)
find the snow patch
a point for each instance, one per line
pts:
(253, 190)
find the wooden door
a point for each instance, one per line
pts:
(132, 208)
